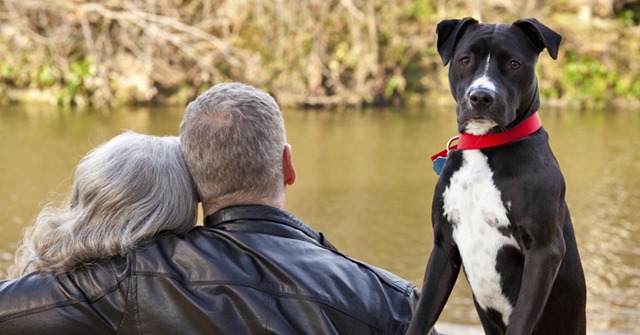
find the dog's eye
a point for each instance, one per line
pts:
(464, 61)
(515, 65)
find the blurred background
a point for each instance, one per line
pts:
(366, 102)
(305, 52)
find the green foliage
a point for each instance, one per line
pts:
(394, 85)
(421, 9)
(75, 89)
(7, 70)
(630, 16)
(587, 79)
(44, 76)
(593, 83)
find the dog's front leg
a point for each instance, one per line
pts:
(440, 276)
(542, 261)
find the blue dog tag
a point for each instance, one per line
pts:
(438, 164)
(441, 157)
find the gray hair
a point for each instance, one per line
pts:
(125, 192)
(232, 140)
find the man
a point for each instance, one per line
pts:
(273, 273)
(252, 269)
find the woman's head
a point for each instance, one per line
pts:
(125, 192)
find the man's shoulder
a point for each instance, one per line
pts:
(212, 253)
(277, 268)
(389, 278)
(260, 257)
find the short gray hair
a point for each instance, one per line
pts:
(233, 138)
(125, 192)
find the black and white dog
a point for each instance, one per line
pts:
(499, 210)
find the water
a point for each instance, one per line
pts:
(365, 180)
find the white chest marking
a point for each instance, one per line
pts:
(475, 207)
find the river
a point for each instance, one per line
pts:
(365, 180)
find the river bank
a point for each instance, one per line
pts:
(313, 53)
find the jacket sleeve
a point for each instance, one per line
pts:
(80, 302)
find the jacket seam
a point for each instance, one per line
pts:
(284, 234)
(39, 309)
(126, 304)
(403, 289)
(262, 289)
(270, 307)
(406, 288)
(124, 311)
(404, 310)
(136, 310)
(65, 303)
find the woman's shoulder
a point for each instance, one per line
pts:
(39, 292)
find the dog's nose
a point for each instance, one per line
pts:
(481, 98)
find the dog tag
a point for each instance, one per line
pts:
(438, 164)
(441, 157)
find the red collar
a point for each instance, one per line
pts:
(469, 141)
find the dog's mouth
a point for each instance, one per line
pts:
(479, 126)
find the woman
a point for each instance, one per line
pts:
(125, 192)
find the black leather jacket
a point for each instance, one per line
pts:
(250, 270)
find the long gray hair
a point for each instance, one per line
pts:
(233, 140)
(125, 192)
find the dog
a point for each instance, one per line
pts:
(498, 209)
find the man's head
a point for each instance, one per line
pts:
(234, 143)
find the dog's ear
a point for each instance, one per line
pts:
(449, 33)
(541, 35)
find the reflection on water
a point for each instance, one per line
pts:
(365, 180)
(600, 156)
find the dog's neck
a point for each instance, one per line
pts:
(528, 110)
(523, 129)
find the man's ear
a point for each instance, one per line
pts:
(541, 35)
(449, 33)
(288, 169)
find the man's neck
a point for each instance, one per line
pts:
(210, 208)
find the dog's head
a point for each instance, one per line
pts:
(492, 71)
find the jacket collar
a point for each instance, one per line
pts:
(253, 217)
